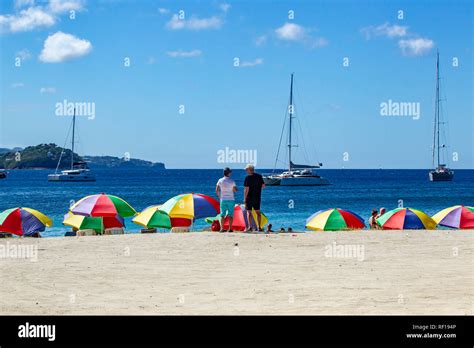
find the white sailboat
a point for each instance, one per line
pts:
(296, 175)
(78, 171)
(441, 172)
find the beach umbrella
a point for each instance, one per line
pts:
(153, 217)
(406, 218)
(240, 220)
(97, 223)
(23, 221)
(102, 205)
(191, 206)
(181, 222)
(458, 216)
(334, 219)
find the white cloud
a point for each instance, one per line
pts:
(23, 54)
(60, 47)
(26, 20)
(410, 45)
(24, 3)
(318, 42)
(151, 60)
(185, 54)
(194, 23)
(253, 63)
(28, 17)
(415, 47)
(47, 90)
(62, 6)
(261, 40)
(163, 10)
(385, 30)
(297, 33)
(17, 85)
(224, 7)
(291, 32)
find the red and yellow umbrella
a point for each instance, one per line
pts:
(97, 223)
(191, 206)
(334, 219)
(23, 221)
(102, 205)
(406, 219)
(240, 221)
(457, 216)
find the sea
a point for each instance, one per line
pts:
(359, 191)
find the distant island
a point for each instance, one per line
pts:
(46, 156)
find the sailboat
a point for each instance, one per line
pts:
(441, 172)
(78, 171)
(297, 174)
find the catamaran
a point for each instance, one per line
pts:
(441, 172)
(297, 174)
(78, 171)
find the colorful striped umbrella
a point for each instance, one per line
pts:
(458, 216)
(240, 220)
(23, 221)
(97, 223)
(191, 206)
(102, 205)
(334, 219)
(153, 217)
(406, 218)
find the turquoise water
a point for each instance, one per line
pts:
(356, 190)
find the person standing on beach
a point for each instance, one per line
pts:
(253, 186)
(225, 190)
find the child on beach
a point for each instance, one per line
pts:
(225, 190)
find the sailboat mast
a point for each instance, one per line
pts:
(73, 131)
(291, 110)
(437, 105)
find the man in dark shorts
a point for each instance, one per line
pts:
(252, 194)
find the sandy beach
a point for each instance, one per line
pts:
(388, 272)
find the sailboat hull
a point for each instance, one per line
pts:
(70, 178)
(295, 181)
(441, 176)
(271, 181)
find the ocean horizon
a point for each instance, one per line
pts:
(358, 190)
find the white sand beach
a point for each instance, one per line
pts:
(393, 272)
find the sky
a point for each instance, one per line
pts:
(182, 81)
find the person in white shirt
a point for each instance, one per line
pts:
(225, 190)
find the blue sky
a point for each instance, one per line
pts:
(190, 61)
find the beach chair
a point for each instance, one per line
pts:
(113, 231)
(180, 229)
(148, 230)
(88, 232)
